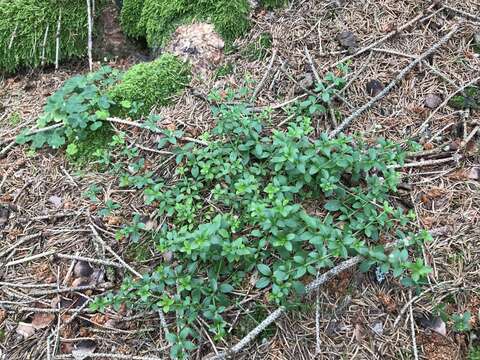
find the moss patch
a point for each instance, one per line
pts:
(152, 83)
(24, 23)
(95, 140)
(272, 4)
(158, 19)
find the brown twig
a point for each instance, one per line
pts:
(394, 82)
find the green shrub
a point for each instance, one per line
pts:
(23, 24)
(150, 84)
(270, 206)
(130, 17)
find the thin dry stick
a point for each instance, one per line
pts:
(90, 260)
(323, 278)
(109, 356)
(90, 26)
(13, 37)
(314, 285)
(445, 102)
(109, 249)
(30, 258)
(412, 328)
(462, 13)
(103, 286)
(312, 65)
(44, 44)
(455, 158)
(394, 82)
(20, 242)
(383, 39)
(134, 124)
(265, 77)
(57, 39)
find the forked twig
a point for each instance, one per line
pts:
(394, 82)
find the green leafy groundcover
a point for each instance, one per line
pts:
(24, 23)
(76, 113)
(157, 19)
(266, 206)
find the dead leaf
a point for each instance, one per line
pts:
(84, 349)
(82, 269)
(374, 87)
(81, 281)
(474, 174)
(56, 201)
(358, 333)
(24, 329)
(388, 302)
(347, 40)
(3, 315)
(434, 323)
(4, 215)
(114, 220)
(42, 320)
(432, 101)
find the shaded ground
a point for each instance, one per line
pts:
(353, 317)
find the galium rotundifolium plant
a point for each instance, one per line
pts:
(269, 207)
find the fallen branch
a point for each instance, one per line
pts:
(394, 82)
(455, 158)
(265, 76)
(90, 27)
(310, 288)
(385, 38)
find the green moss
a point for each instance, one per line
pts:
(159, 18)
(14, 118)
(272, 4)
(23, 24)
(153, 83)
(95, 140)
(130, 18)
(259, 49)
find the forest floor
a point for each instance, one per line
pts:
(353, 316)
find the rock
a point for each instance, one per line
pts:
(434, 323)
(347, 40)
(55, 201)
(306, 81)
(198, 44)
(374, 87)
(432, 101)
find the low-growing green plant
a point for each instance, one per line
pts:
(14, 118)
(273, 4)
(269, 206)
(470, 99)
(79, 108)
(474, 353)
(150, 84)
(461, 322)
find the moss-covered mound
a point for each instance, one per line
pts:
(149, 84)
(28, 31)
(159, 18)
